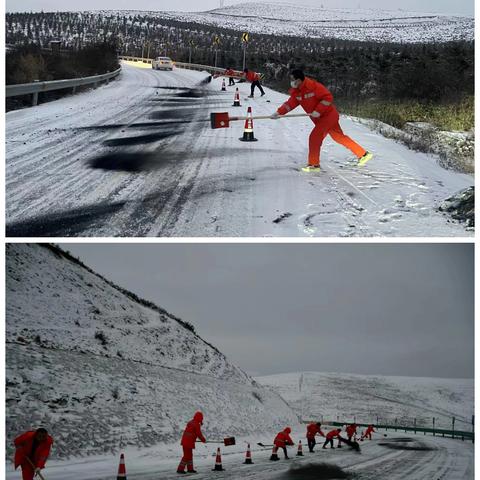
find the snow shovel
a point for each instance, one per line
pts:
(33, 466)
(228, 441)
(264, 446)
(351, 444)
(223, 119)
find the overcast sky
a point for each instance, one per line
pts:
(463, 7)
(368, 309)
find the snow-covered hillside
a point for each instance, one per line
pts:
(316, 22)
(97, 366)
(334, 395)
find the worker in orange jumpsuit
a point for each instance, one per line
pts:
(254, 79)
(312, 430)
(351, 431)
(230, 73)
(281, 441)
(189, 437)
(32, 450)
(335, 433)
(368, 432)
(317, 101)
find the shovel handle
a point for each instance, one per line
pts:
(265, 117)
(33, 466)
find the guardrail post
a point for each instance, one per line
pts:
(35, 97)
(415, 426)
(433, 426)
(473, 428)
(453, 427)
(74, 89)
(395, 424)
(108, 78)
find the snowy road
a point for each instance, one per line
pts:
(121, 161)
(394, 458)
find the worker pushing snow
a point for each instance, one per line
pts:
(189, 437)
(351, 431)
(32, 450)
(335, 433)
(312, 431)
(368, 432)
(281, 441)
(317, 101)
(254, 79)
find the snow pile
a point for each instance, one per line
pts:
(333, 396)
(98, 366)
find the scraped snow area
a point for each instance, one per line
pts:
(358, 24)
(134, 159)
(314, 395)
(137, 383)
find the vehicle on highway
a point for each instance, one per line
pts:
(162, 63)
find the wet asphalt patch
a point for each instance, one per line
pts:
(405, 444)
(314, 471)
(140, 139)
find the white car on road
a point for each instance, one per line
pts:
(162, 63)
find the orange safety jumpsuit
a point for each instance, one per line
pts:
(25, 456)
(313, 96)
(189, 437)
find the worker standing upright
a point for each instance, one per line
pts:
(189, 437)
(317, 101)
(230, 73)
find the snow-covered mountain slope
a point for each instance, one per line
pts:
(96, 365)
(334, 395)
(347, 24)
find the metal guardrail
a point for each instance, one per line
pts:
(461, 434)
(187, 66)
(38, 87)
(129, 58)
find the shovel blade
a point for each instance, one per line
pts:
(219, 120)
(229, 441)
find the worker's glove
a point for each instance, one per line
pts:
(315, 114)
(275, 116)
(37, 471)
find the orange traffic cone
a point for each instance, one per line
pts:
(300, 449)
(248, 129)
(248, 456)
(224, 87)
(274, 455)
(236, 99)
(122, 473)
(218, 462)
